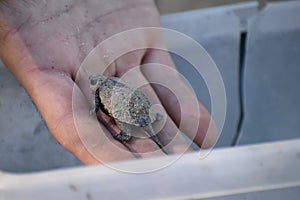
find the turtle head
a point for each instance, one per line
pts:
(96, 81)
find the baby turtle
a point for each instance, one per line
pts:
(129, 106)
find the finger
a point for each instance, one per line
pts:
(169, 134)
(53, 93)
(184, 115)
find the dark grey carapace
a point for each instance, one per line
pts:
(127, 105)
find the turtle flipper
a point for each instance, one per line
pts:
(97, 103)
(159, 117)
(124, 135)
(155, 115)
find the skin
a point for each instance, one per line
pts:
(32, 35)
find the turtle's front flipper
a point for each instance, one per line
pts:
(155, 139)
(97, 102)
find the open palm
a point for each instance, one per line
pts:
(44, 45)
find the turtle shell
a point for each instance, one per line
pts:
(126, 103)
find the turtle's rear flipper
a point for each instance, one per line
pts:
(122, 136)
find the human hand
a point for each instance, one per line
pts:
(44, 44)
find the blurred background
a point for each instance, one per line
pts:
(172, 6)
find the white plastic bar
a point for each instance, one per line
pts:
(224, 172)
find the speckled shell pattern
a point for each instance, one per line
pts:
(125, 103)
